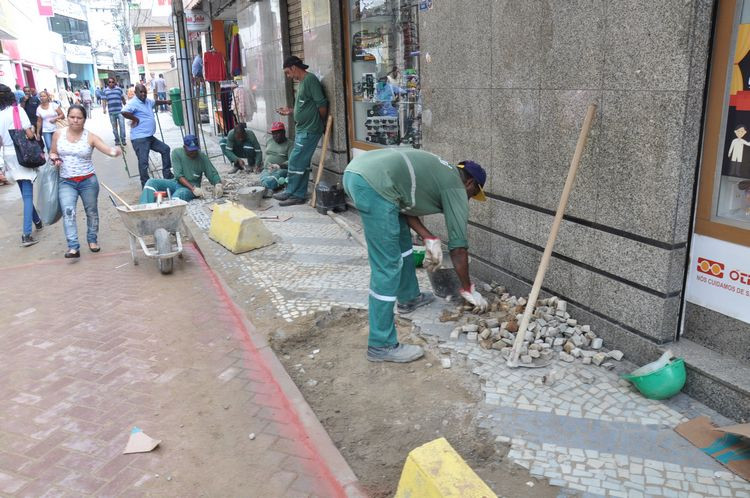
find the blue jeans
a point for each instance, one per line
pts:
(68, 192)
(118, 120)
(176, 190)
(162, 96)
(47, 136)
(299, 163)
(29, 211)
(142, 147)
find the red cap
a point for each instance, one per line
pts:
(278, 125)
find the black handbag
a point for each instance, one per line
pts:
(29, 151)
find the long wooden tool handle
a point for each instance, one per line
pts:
(322, 161)
(530, 305)
(115, 194)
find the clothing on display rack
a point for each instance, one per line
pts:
(226, 109)
(234, 56)
(214, 67)
(238, 104)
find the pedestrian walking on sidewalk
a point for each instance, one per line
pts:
(141, 111)
(72, 148)
(243, 144)
(310, 111)
(98, 93)
(86, 98)
(30, 102)
(113, 99)
(10, 112)
(391, 189)
(278, 150)
(47, 115)
(190, 164)
(160, 87)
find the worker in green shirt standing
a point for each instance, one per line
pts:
(243, 144)
(276, 162)
(391, 188)
(310, 111)
(189, 165)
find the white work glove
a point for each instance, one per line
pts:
(218, 190)
(474, 297)
(273, 167)
(198, 192)
(433, 257)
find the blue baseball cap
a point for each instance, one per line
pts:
(191, 143)
(478, 173)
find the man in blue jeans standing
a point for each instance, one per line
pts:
(140, 111)
(112, 100)
(310, 110)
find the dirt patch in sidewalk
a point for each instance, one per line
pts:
(376, 412)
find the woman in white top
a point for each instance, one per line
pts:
(23, 176)
(71, 152)
(47, 114)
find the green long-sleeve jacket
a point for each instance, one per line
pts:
(249, 149)
(193, 169)
(278, 153)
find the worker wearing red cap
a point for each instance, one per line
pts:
(276, 162)
(391, 188)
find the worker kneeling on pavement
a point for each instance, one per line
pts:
(276, 163)
(243, 144)
(189, 165)
(391, 189)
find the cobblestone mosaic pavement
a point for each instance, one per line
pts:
(314, 263)
(599, 439)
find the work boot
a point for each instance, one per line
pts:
(291, 201)
(281, 196)
(422, 299)
(400, 353)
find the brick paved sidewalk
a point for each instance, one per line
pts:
(93, 348)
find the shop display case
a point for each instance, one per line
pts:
(383, 73)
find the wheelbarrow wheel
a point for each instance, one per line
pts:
(164, 246)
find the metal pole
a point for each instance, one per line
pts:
(184, 63)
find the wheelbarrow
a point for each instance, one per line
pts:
(160, 223)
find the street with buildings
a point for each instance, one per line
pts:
(289, 352)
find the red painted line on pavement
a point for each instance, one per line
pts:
(266, 376)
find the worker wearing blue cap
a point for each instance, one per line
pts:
(189, 165)
(391, 188)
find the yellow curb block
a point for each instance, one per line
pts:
(435, 470)
(238, 229)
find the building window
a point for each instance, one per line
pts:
(723, 208)
(383, 73)
(72, 30)
(160, 42)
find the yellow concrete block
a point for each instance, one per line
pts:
(435, 470)
(238, 229)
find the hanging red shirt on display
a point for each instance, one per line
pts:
(214, 67)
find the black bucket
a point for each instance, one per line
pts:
(444, 282)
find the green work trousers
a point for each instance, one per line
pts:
(389, 250)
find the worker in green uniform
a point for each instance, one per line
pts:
(278, 150)
(243, 144)
(189, 165)
(391, 188)
(310, 111)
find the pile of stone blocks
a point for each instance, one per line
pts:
(552, 333)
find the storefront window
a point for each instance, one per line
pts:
(732, 185)
(384, 72)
